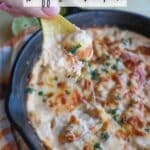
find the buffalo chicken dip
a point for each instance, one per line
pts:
(90, 90)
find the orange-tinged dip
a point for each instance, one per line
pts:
(91, 91)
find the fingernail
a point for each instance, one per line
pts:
(52, 11)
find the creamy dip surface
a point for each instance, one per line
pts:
(90, 90)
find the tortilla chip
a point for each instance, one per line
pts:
(55, 26)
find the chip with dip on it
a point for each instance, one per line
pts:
(73, 43)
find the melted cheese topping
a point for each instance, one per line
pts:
(102, 103)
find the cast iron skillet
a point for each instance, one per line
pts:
(16, 104)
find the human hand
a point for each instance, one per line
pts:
(15, 7)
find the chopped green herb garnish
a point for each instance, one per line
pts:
(97, 146)
(126, 41)
(114, 67)
(107, 56)
(147, 130)
(117, 97)
(43, 66)
(84, 61)
(129, 83)
(78, 80)
(104, 135)
(123, 41)
(116, 118)
(94, 75)
(68, 76)
(67, 92)
(104, 70)
(108, 64)
(55, 78)
(29, 90)
(44, 100)
(117, 59)
(113, 111)
(40, 93)
(74, 49)
(130, 40)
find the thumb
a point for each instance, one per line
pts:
(33, 11)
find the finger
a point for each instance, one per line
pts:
(41, 12)
(34, 11)
(52, 11)
(13, 11)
